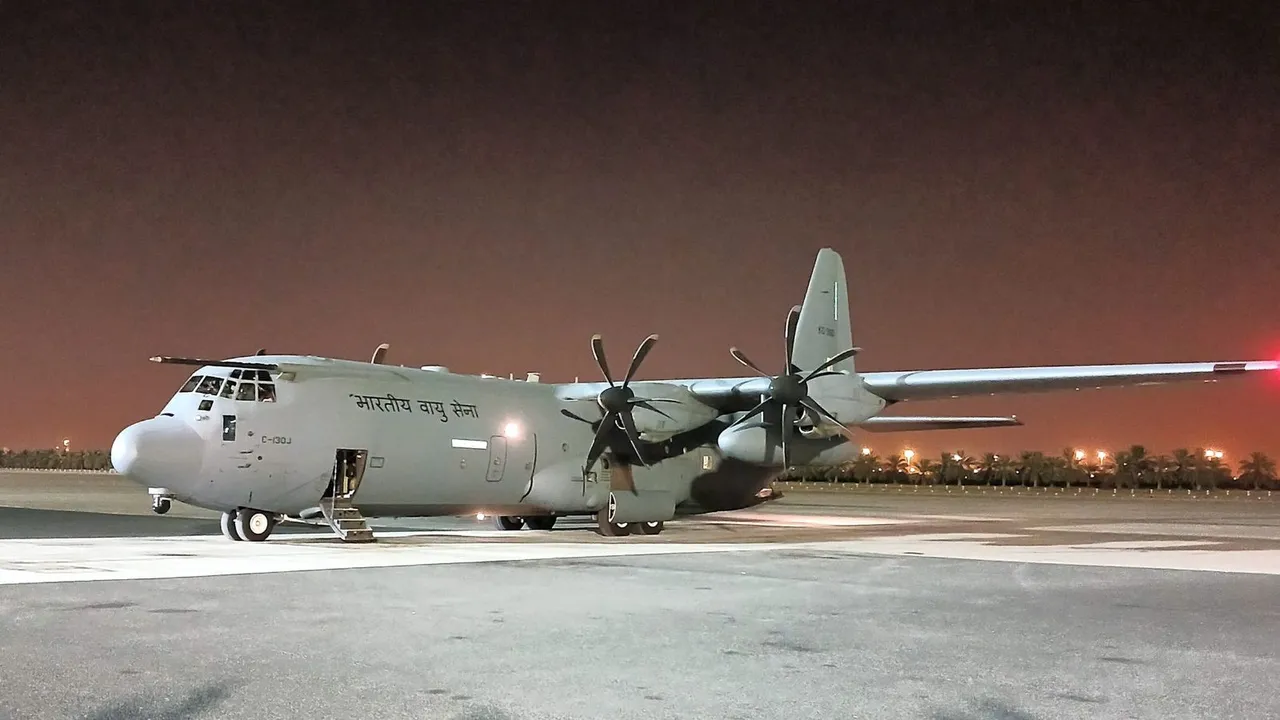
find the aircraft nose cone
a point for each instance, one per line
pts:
(160, 452)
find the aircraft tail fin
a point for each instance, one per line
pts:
(823, 329)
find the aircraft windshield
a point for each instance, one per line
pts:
(243, 385)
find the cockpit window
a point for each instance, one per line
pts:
(228, 390)
(191, 383)
(266, 392)
(210, 385)
(246, 391)
(235, 374)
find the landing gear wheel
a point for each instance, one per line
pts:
(611, 529)
(651, 528)
(509, 522)
(229, 526)
(161, 505)
(540, 522)
(254, 525)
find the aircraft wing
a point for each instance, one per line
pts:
(935, 384)
(882, 423)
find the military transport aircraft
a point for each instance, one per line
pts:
(265, 438)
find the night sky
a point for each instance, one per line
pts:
(485, 189)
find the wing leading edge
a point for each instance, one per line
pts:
(937, 384)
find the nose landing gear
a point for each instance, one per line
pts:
(161, 500)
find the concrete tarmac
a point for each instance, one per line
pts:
(813, 607)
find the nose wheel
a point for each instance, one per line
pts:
(161, 500)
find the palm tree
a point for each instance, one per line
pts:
(1259, 468)
(1188, 467)
(1033, 467)
(1132, 465)
(928, 470)
(1163, 466)
(1005, 469)
(894, 468)
(866, 467)
(988, 467)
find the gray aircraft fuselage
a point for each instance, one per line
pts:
(437, 444)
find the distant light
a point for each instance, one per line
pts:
(479, 516)
(1102, 455)
(908, 454)
(866, 451)
(1079, 455)
(955, 456)
(511, 430)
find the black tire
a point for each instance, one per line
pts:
(610, 529)
(161, 506)
(540, 522)
(228, 523)
(254, 525)
(650, 528)
(509, 522)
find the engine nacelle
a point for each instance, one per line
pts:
(763, 446)
(643, 506)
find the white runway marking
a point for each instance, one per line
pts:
(1148, 554)
(87, 559)
(82, 559)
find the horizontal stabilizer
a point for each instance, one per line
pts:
(907, 424)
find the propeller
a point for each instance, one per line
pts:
(616, 430)
(790, 390)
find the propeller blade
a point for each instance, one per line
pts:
(813, 406)
(838, 357)
(638, 358)
(645, 404)
(737, 355)
(788, 425)
(661, 400)
(597, 349)
(630, 426)
(824, 373)
(572, 416)
(754, 412)
(793, 320)
(598, 444)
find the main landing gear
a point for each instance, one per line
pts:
(515, 522)
(248, 524)
(616, 529)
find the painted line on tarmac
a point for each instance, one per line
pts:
(80, 559)
(1138, 554)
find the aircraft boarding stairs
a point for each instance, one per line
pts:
(336, 506)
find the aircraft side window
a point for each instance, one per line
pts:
(210, 385)
(235, 374)
(264, 376)
(191, 383)
(266, 392)
(246, 391)
(228, 390)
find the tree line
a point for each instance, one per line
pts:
(55, 459)
(1131, 468)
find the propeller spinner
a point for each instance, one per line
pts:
(616, 430)
(790, 390)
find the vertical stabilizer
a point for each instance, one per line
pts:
(823, 330)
